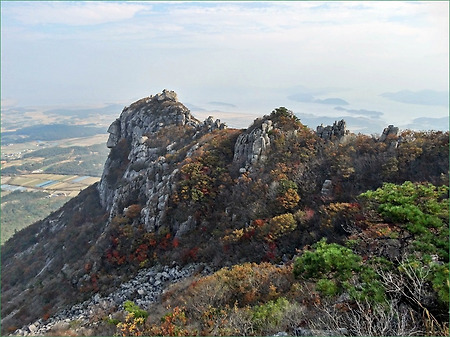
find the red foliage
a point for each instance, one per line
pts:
(113, 257)
(115, 241)
(309, 213)
(271, 252)
(191, 254)
(164, 243)
(249, 234)
(141, 252)
(259, 222)
(94, 282)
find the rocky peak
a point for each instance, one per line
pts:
(335, 131)
(147, 116)
(147, 133)
(251, 146)
(389, 132)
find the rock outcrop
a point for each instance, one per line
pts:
(327, 189)
(389, 132)
(252, 146)
(140, 170)
(335, 131)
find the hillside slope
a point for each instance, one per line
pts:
(176, 191)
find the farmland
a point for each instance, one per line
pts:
(67, 185)
(39, 174)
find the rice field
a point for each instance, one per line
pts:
(69, 185)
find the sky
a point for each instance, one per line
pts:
(374, 63)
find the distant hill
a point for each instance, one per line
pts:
(49, 133)
(83, 113)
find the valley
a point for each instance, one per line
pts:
(39, 176)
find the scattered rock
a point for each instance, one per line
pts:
(148, 284)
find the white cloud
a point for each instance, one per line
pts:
(371, 47)
(76, 13)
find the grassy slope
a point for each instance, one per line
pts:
(20, 209)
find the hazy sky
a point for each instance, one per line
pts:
(382, 61)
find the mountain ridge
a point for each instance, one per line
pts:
(177, 190)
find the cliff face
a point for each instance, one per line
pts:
(137, 171)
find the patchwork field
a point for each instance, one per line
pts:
(68, 185)
(28, 198)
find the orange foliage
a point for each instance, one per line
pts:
(289, 199)
(133, 211)
(246, 284)
(173, 324)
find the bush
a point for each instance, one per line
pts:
(282, 224)
(337, 269)
(241, 285)
(269, 315)
(133, 211)
(134, 309)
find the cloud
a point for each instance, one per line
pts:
(333, 101)
(101, 50)
(309, 98)
(368, 113)
(429, 123)
(423, 97)
(194, 107)
(223, 104)
(77, 13)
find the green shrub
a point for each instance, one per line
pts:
(327, 260)
(337, 269)
(327, 287)
(269, 315)
(134, 309)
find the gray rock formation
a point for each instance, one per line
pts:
(114, 134)
(327, 189)
(389, 131)
(145, 173)
(252, 146)
(212, 124)
(335, 131)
